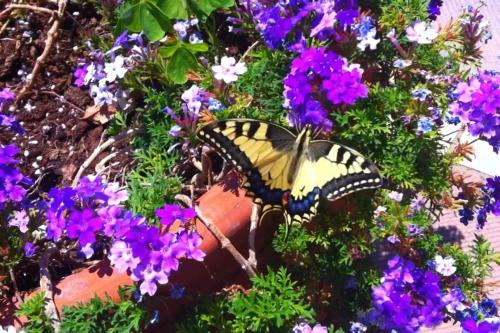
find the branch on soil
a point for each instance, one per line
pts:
(13, 6)
(51, 36)
(47, 287)
(226, 244)
(99, 149)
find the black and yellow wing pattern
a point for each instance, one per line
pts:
(286, 171)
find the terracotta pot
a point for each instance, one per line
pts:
(229, 209)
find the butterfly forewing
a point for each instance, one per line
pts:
(261, 150)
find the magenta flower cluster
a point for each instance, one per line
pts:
(288, 23)
(147, 252)
(318, 81)
(408, 298)
(477, 104)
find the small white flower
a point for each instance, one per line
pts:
(402, 63)
(420, 33)
(228, 70)
(396, 196)
(115, 69)
(445, 266)
(369, 40)
(10, 329)
(381, 210)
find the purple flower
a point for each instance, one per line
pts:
(476, 102)
(393, 239)
(80, 74)
(177, 292)
(470, 325)
(407, 299)
(417, 204)
(29, 249)
(304, 327)
(121, 257)
(434, 9)
(169, 213)
(414, 230)
(83, 225)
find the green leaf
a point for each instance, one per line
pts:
(182, 61)
(195, 48)
(131, 17)
(208, 6)
(150, 24)
(145, 15)
(174, 8)
(168, 51)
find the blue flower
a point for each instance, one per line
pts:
(488, 307)
(425, 125)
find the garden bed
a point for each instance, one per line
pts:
(173, 161)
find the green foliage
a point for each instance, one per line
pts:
(274, 302)
(152, 182)
(264, 83)
(399, 14)
(272, 305)
(34, 310)
(103, 316)
(154, 16)
(209, 315)
(408, 160)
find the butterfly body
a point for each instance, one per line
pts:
(286, 171)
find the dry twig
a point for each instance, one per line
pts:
(123, 135)
(226, 244)
(47, 287)
(51, 36)
(13, 6)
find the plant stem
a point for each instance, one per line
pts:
(14, 283)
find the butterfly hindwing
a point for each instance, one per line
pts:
(330, 171)
(260, 150)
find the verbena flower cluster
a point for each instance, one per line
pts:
(491, 204)
(6, 121)
(407, 299)
(318, 81)
(13, 183)
(104, 71)
(149, 253)
(288, 23)
(195, 100)
(477, 104)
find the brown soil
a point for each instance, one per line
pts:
(56, 141)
